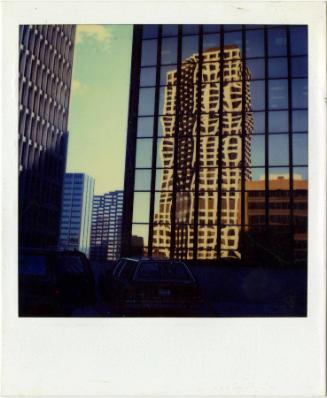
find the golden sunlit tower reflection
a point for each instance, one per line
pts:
(185, 138)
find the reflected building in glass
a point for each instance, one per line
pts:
(213, 159)
(213, 108)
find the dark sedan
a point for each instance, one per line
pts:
(154, 287)
(54, 283)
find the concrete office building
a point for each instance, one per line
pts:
(75, 230)
(107, 226)
(45, 70)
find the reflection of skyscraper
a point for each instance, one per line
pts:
(217, 166)
(106, 226)
(45, 70)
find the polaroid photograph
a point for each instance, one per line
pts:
(164, 198)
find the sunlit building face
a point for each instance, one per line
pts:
(210, 164)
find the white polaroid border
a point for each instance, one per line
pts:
(165, 357)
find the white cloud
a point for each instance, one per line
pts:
(95, 32)
(78, 87)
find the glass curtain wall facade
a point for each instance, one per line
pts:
(213, 109)
(45, 70)
(75, 231)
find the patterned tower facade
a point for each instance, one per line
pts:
(45, 70)
(107, 226)
(220, 156)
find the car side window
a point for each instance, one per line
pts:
(128, 270)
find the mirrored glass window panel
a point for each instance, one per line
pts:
(257, 174)
(169, 50)
(190, 46)
(190, 29)
(141, 207)
(299, 40)
(145, 127)
(148, 77)
(233, 39)
(300, 93)
(186, 149)
(168, 75)
(279, 179)
(211, 41)
(278, 94)
(277, 67)
(164, 179)
(183, 207)
(167, 100)
(300, 149)
(162, 207)
(277, 43)
(278, 150)
(258, 150)
(254, 43)
(299, 66)
(169, 30)
(140, 232)
(231, 27)
(258, 122)
(150, 31)
(278, 122)
(208, 204)
(142, 180)
(146, 101)
(149, 52)
(300, 173)
(300, 121)
(257, 95)
(165, 152)
(143, 152)
(185, 179)
(208, 178)
(211, 28)
(256, 68)
(209, 125)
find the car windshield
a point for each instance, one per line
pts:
(163, 270)
(32, 265)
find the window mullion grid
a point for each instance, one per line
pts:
(243, 162)
(266, 130)
(197, 150)
(177, 111)
(154, 143)
(290, 140)
(220, 140)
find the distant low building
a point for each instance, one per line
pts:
(106, 226)
(287, 222)
(75, 231)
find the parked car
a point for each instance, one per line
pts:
(54, 283)
(149, 286)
